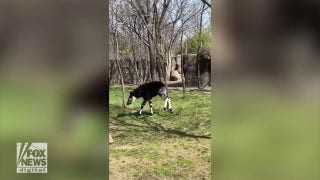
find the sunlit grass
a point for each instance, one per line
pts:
(165, 145)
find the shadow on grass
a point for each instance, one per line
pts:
(156, 127)
(137, 115)
(159, 127)
(128, 114)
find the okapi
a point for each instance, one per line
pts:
(147, 92)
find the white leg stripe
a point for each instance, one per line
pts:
(165, 102)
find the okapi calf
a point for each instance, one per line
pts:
(147, 92)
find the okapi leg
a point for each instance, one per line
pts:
(169, 105)
(150, 104)
(165, 104)
(142, 105)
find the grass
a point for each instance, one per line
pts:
(162, 146)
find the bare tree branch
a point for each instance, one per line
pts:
(206, 2)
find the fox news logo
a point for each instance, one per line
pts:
(32, 158)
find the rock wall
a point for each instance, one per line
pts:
(190, 69)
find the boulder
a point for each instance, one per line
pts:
(175, 76)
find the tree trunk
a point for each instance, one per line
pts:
(199, 46)
(182, 68)
(168, 66)
(159, 69)
(153, 62)
(122, 85)
(135, 64)
(119, 69)
(143, 66)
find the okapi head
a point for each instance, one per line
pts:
(132, 97)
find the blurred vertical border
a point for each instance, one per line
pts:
(54, 85)
(266, 99)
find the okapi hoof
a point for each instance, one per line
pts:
(171, 110)
(164, 109)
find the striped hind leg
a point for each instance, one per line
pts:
(169, 105)
(167, 101)
(165, 106)
(142, 105)
(150, 104)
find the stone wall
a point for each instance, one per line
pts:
(190, 69)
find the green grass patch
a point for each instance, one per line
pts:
(166, 145)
